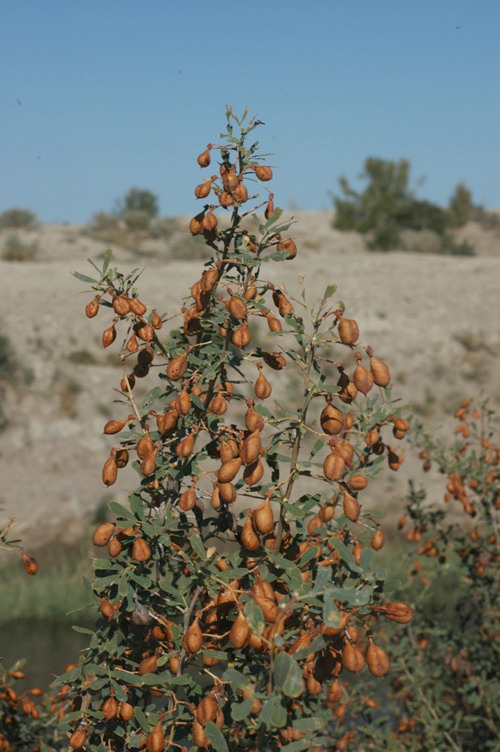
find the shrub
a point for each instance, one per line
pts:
(15, 249)
(18, 219)
(461, 209)
(163, 227)
(387, 207)
(103, 221)
(226, 625)
(445, 669)
(137, 220)
(139, 200)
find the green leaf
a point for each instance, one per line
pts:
(236, 678)
(106, 260)
(241, 710)
(345, 554)
(296, 746)
(288, 675)
(142, 720)
(119, 510)
(329, 291)
(254, 616)
(198, 547)
(84, 278)
(82, 630)
(331, 614)
(214, 734)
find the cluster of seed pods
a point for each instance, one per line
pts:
(224, 417)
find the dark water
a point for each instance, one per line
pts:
(48, 647)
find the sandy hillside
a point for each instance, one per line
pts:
(433, 318)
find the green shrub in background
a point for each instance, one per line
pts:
(18, 219)
(15, 249)
(387, 207)
(137, 199)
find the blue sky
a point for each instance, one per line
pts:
(97, 96)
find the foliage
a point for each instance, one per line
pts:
(137, 220)
(445, 680)
(229, 598)
(18, 219)
(387, 207)
(15, 249)
(139, 200)
(460, 208)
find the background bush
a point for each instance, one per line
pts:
(15, 249)
(18, 219)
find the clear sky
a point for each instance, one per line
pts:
(97, 96)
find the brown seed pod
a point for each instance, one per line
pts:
(148, 665)
(106, 609)
(103, 534)
(362, 378)
(348, 331)
(137, 307)
(183, 402)
(348, 390)
(155, 741)
(115, 426)
(92, 308)
(229, 470)
(217, 405)
(30, 564)
(377, 660)
(240, 632)
(332, 420)
(199, 736)
(327, 512)
(289, 246)
(240, 193)
(193, 639)
(393, 460)
(187, 500)
(196, 224)
(202, 190)
(209, 221)
(351, 507)
(77, 739)
(227, 493)
(357, 482)
(174, 664)
(263, 518)
(380, 372)
(334, 692)
(269, 608)
(352, 658)
(121, 458)
(207, 709)
(110, 708)
(274, 360)
(253, 421)
(269, 210)
(126, 711)
(372, 437)
(241, 336)
(263, 172)
(262, 387)
(248, 537)
(131, 382)
(108, 336)
(141, 550)
(109, 471)
(253, 473)
(177, 367)
(226, 451)
(396, 611)
(237, 308)
(203, 159)
(114, 547)
(263, 589)
(185, 447)
(225, 199)
(156, 321)
(209, 279)
(132, 344)
(377, 540)
(145, 332)
(333, 466)
(145, 446)
(273, 323)
(250, 448)
(282, 303)
(251, 292)
(121, 305)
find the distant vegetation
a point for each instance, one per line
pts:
(18, 219)
(387, 212)
(15, 249)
